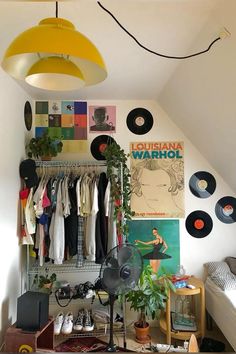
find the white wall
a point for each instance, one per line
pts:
(194, 252)
(200, 95)
(12, 132)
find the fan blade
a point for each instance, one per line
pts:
(135, 273)
(112, 262)
(124, 255)
(111, 278)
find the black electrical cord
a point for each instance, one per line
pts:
(152, 51)
(56, 9)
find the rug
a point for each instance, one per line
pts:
(85, 344)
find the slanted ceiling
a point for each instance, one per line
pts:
(199, 94)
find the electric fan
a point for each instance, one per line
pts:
(119, 273)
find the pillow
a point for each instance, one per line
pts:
(225, 282)
(217, 268)
(220, 273)
(231, 261)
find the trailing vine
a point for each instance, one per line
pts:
(119, 175)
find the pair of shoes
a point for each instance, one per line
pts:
(63, 324)
(84, 321)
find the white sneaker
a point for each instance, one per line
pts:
(67, 324)
(58, 323)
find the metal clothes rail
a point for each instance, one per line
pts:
(65, 163)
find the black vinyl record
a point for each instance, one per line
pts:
(99, 144)
(199, 224)
(225, 209)
(139, 121)
(202, 184)
(28, 115)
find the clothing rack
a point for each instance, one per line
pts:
(64, 163)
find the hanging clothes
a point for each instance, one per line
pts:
(71, 222)
(90, 238)
(101, 221)
(57, 230)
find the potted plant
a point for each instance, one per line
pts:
(148, 298)
(44, 147)
(119, 176)
(45, 282)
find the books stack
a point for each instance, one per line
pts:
(183, 323)
(180, 281)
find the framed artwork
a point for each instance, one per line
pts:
(158, 242)
(66, 120)
(157, 179)
(102, 119)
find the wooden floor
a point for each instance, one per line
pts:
(159, 338)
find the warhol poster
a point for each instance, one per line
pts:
(158, 242)
(157, 179)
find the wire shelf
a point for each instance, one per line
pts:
(66, 267)
(94, 333)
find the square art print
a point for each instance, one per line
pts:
(102, 119)
(66, 120)
(158, 242)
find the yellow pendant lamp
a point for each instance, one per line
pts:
(54, 56)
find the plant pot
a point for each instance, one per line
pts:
(142, 334)
(46, 158)
(47, 285)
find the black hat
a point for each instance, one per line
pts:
(28, 172)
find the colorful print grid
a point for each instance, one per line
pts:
(63, 119)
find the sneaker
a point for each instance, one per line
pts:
(67, 324)
(88, 324)
(58, 323)
(78, 325)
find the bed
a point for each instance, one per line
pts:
(220, 288)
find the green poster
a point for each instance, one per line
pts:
(158, 242)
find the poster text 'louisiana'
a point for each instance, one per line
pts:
(157, 150)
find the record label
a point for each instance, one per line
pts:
(225, 210)
(202, 184)
(99, 144)
(139, 121)
(199, 224)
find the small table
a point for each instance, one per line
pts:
(165, 321)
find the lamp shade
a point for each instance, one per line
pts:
(56, 74)
(54, 37)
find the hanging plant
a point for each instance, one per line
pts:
(119, 176)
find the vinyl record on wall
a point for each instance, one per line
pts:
(99, 144)
(199, 224)
(225, 210)
(28, 115)
(139, 121)
(202, 184)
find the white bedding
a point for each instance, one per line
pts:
(221, 305)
